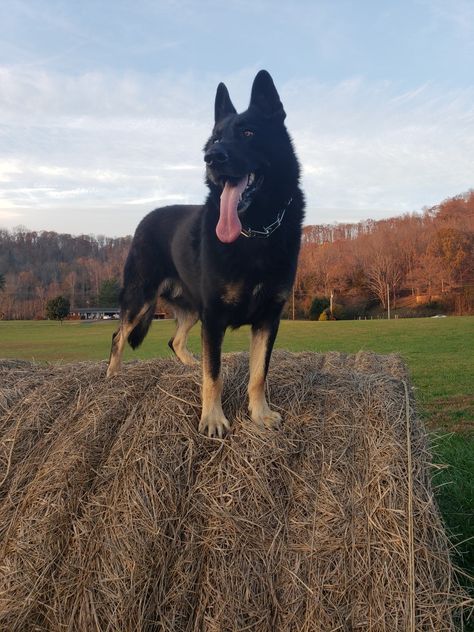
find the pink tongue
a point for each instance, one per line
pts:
(228, 227)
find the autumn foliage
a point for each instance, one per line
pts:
(41, 265)
(426, 260)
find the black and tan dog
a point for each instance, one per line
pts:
(229, 262)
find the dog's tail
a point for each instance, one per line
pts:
(138, 333)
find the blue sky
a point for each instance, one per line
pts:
(105, 106)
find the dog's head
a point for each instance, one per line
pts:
(243, 152)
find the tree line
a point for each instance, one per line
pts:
(38, 266)
(417, 262)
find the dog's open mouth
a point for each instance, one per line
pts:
(235, 198)
(254, 182)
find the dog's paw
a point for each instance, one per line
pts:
(186, 357)
(190, 360)
(267, 418)
(112, 371)
(214, 424)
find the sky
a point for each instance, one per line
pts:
(105, 105)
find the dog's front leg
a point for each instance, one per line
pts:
(261, 347)
(213, 421)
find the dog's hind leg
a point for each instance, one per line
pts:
(184, 320)
(260, 352)
(133, 330)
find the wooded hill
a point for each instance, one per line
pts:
(425, 259)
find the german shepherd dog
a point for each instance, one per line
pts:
(229, 262)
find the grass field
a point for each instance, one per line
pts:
(438, 352)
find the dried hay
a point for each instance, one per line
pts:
(117, 515)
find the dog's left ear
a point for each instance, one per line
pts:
(223, 105)
(265, 97)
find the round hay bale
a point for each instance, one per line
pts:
(117, 515)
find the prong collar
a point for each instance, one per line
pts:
(266, 231)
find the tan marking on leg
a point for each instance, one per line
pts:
(171, 286)
(118, 343)
(185, 320)
(115, 359)
(232, 292)
(260, 411)
(213, 421)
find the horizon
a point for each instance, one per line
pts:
(106, 109)
(420, 212)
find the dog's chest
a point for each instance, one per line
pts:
(244, 300)
(241, 293)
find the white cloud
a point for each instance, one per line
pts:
(9, 213)
(159, 197)
(60, 173)
(8, 216)
(8, 169)
(53, 171)
(68, 193)
(181, 167)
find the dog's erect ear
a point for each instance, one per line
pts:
(265, 97)
(223, 105)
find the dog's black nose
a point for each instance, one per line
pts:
(216, 155)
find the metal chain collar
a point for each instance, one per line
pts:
(267, 230)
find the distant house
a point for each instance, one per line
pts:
(95, 313)
(102, 313)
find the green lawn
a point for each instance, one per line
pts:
(439, 354)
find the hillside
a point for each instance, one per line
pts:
(421, 258)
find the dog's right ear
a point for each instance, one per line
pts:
(223, 105)
(265, 97)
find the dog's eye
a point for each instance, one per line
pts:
(216, 140)
(248, 133)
